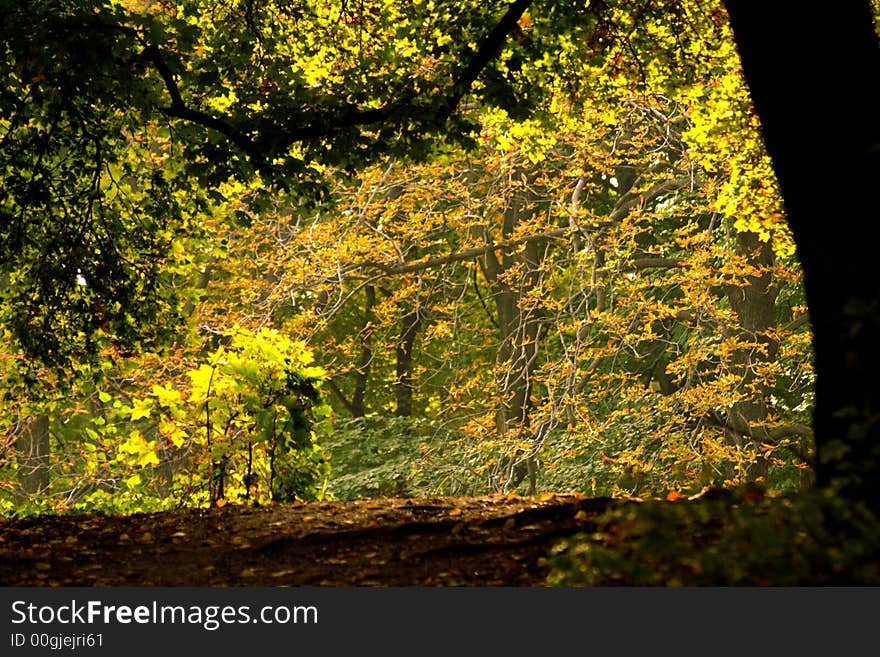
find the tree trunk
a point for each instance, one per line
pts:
(32, 446)
(519, 339)
(794, 60)
(358, 405)
(755, 307)
(410, 324)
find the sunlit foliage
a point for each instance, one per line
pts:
(525, 246)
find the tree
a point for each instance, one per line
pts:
(658, 347)
(242, 93)
(296, 98)
(786, 72)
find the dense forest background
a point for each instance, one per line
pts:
(262, 251)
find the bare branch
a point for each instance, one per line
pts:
(632, 199)
(650, 263)
(796, 323)
(771, 436)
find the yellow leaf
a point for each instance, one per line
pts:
(172, 432)
(142, 408)
(148, 458)
(166, 395)
(202, 379)
(135, 443)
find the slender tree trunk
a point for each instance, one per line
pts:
(519, 339)
(32, 447)
(792, 57)
(362, 371)
(410, 324)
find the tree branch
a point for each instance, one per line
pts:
(650, 263)
(466, 254)
(338, 392)
(796, 323)
(558, 233)
(488, 50)
(768, 436)
(632, 199)
(180, 110)
(270, 138)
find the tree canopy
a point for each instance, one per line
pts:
(529, 239)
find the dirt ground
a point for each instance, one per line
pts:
(496, 540)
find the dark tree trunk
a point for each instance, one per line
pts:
(403, 387)
(813, 74)
(358, 404)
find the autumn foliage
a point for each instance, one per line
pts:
(584, 281)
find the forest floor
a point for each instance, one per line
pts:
(496, 540)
